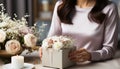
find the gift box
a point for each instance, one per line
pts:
(56, 58)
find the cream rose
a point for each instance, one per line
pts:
(30, 40)
(2, 36)
(58, 45)
(13, 47)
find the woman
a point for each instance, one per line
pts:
(91, 23)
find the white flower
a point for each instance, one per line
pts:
(30, 40)
(2, 36)
(12, 24)
(68, 43)
(3, 24)
(47, 43)
(57, 45)
(24, 30)
(13, 47)
(57, 42)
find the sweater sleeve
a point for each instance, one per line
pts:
(110, 36)
(55, 28)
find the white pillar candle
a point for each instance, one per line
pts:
(17, 62)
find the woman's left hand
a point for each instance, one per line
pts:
(80, 55)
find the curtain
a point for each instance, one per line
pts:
(19, 7)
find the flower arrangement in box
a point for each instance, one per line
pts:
(57, 42)
(15, 35)
(54, 48)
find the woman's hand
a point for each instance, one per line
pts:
(80, 55)
(40, 52)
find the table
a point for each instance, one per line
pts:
(110, 64)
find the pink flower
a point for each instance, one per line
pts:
(30, 40)
(13, 47)
(25, 30)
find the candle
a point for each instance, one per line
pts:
(17, 62)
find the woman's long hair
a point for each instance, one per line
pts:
(66, 11)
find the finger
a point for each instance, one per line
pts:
(85, 56)
(72, 57)
(75, 53)
(70, 53)
(75, 60)
(40, 52)
(83, 52)
(78, 59)
(75, 57)
(79, 51)
(82, 60)
(82, 49)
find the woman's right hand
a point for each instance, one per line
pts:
(40, 52)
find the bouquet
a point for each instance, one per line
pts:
(15, 35)
(57, 42)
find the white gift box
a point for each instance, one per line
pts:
(56, 58)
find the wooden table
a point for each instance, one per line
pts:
(33, 58)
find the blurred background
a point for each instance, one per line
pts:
(34, 8)
(40, 11)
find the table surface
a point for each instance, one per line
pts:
(33, 58)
